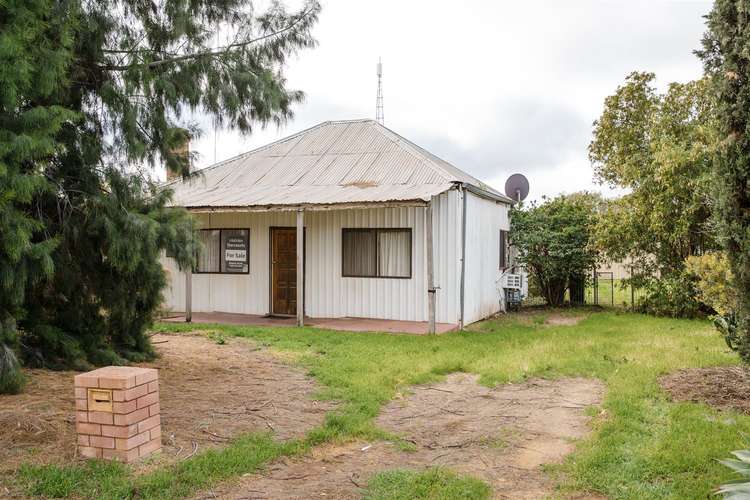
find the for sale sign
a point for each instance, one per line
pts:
(235, 254)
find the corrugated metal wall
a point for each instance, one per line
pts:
(327, 293)
(330, 295)
(485, 219)
(446, 214)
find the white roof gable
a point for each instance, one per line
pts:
(356, 161)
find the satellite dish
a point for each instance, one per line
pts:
(517, 187)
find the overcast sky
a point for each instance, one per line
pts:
(494, 87)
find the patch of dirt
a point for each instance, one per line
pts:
(500, 435)
(38, 426)
(557, 319)
(723, 387)
(209, 393)
(536, 316)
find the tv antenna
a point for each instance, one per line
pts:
(379, 117)
(517, 187)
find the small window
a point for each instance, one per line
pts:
(225, 251)
(503, 249)
(376, 253)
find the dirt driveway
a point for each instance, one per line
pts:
(499, 435)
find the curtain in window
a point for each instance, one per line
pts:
(394, 253)
(209, 257)
(359, 257)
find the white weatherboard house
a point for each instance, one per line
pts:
(373, 208)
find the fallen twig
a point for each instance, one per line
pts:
(225, 438)
(195, 448)
(265, 420)
(290, 478)
(436, 389)
(453, 412)
(260, 407)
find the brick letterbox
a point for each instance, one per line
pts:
(117, 413)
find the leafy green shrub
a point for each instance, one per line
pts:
(729, 327)
(672, 296)
(717, 289)
(554, 242)
(714, 281)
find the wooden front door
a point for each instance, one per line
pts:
(284, 271)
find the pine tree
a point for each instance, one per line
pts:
(35, 47)
(93, 95)
(726, 56)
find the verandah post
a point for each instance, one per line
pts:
(188, 295)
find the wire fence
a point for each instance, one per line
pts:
(605, 287)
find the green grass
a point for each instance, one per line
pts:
(643, 446)
(99, 479)
(90, 480)
(431, 484)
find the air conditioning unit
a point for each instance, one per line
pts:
(512, 281)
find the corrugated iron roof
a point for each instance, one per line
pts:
(353, 161)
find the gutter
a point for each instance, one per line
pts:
(482, 193)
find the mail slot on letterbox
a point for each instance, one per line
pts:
(100, 400)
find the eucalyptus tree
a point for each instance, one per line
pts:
(658, 147)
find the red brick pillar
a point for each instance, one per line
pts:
(117, 413)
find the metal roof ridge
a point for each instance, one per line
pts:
(352, 120)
